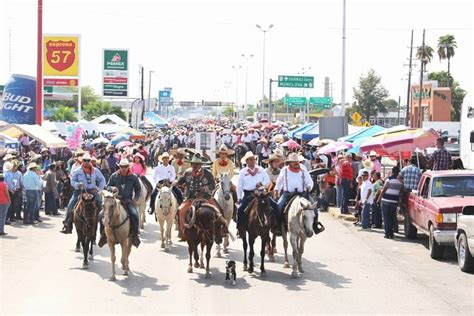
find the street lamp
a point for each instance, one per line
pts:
(149, 88)
(246, 76)
(264, 30)
(236, 68)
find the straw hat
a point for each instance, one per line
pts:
(11, 151)
(263, 140)
(198, 158)
(123, 163)
(223, 149)
(368, 164)
(294, 157)
(140, 156)
(247, 155)
(272, 157)
(373, 154)
(279, 139)
(279, 153)
(163, 155)
(86, 156)
(8, 157)
(32, 165)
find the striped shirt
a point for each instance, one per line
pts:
(392, 193)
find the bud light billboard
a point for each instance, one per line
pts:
(19, 100)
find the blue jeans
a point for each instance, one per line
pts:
(346, 193)
(39, 199)
(389, 211)
(3, 216)
(366, 215)
(73, 202)
(50, 206)
(376, 215)
(243, 204)
(338, 195)
(31, 205)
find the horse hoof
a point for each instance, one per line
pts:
(300, 270)
(78, 249)
(263, 273)
(91, 257)
(226, 251)
(85, 266)
(286, 265)
(125, 272)
(244, 268)
(190, 269)
(218, 255)
(167, 249)
(294, 274)
(271, 258)
(250, 270)
(196, 265)
(112, 278)
(162, 246)
(208, 275)
(201, 266)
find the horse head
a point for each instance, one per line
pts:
(164, 196)
(110, 207)
(225, 185)
(307, 216)
(264, 209)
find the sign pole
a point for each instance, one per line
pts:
(39, 66)
(270, 105)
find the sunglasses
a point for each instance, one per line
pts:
(123, 167)
(86, 160)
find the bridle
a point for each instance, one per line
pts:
(82, 214)
(111, 214)
(160, 193)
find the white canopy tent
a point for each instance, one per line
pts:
(36, 132)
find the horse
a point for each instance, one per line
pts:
(142, 204)
(240, 150)
(166, 207)
(65, 192)
(205, 226)
(85, 220)
(258, 223)
(300, 217)
(223, 196)
(117, 230)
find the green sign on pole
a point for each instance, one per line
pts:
(2, 87)
(295, 81)
(115, 59)
(115, 86)
(295, 101)
(321, 102)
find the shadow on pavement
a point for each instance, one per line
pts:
(150, 234)
(218, 279)
(8, 237)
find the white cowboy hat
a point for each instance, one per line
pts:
(124, 162)
(86, 156)
(279, 153)
(247, 155)
(272, 157)
(32, 165)
(11, 151)
(294, 157)
(368, 164)
(373, 153)
(8, 157)
(223, 149)
(163, 155)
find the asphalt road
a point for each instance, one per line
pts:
(346, 271)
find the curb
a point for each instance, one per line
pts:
(336, 213)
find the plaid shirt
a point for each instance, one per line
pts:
(411, 177)
(441, 159)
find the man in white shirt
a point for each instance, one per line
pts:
(366, 199)
(164, 174)
(250, 178)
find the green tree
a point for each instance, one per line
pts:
(391, 105)
(228, 111)
(457, 93)
(63, 114)
(97, 108)
(446, 45)
(88, 95)
(425, 54)
(370, 95)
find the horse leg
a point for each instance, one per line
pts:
(226, 243)
(201, 257)
(218, 248)
(251, 253)
(196, 256)
(262, 254)
(85, 249)
(190, 252)
(167, 234)
(285, 247)
(300, 254)
(294, 245)
(91, 252)
(112, 258)
(78, 244)
(208, 258)
(271, 248)
(244, 242)
(162, 233)
(142, 216)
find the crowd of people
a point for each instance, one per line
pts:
(33, 174)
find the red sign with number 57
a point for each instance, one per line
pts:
(61, 56)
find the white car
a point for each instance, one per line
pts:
(465, 239)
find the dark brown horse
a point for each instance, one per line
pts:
(85, 220)
(204, 225)
(240, 150)
(65, 192)
(258, 223)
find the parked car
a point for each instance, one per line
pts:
(465, 239)
(433, 208)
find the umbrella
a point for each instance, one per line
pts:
(100, 140)
(401, 141)
(119, 138)
(334, 147)
(320, 142)
(291, 144)
(124, 143)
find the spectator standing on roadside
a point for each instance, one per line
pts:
(51, 191)
(441, 158)
(411, 177)
(366, 199)
(4, 204)
(390, 197)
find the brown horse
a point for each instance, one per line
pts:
(204, 225)
(85, 220)
(258, 223)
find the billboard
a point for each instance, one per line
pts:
(61, 55)
(115, 73)
(19, 100)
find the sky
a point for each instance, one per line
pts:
(192, 46)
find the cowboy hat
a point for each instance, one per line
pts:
(263, 140)
(178, 151)
(43, 150)
(79, 152)
(373, 153)
(8, 157)
(368, 164)
(198, 158)
(294, 157)
(279, 153)
(272, 157)
(124, 162)
(32, 165)
(86, 156)
(163, 155)
(279, 139)
(247, 155)
(11, 151)
(140, 156)
(223, 149)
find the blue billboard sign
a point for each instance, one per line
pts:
(19, 100)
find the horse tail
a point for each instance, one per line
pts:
(193, 218)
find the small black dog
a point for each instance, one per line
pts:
(230, 269)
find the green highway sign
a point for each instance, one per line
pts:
(115, 59)
(115, 86)
(47, 89)
(295, 101)
(2, 87)
(321, 102)
(295, 81)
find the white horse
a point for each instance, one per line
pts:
(142, 204)
(117, 229)
(224, 198)
(166, 207)
(300, 217)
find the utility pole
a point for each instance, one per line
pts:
(264, 31)
(407, 118)
(141, 92)
(343, 79)
(422, 62)
(270, 105)
(236, 68)
(398, 119)
(149, 88)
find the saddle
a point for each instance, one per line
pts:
(148, 186)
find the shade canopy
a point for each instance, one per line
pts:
(37, 132)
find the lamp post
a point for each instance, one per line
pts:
(304, 71)
(226, 87)
(264, 31)
(236, 68)
(149, 88)
(247, 57)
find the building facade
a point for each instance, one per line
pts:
(435, 103)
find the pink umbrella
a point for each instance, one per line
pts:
(124, 143)
(402, 141)
(334, 147)
(291, 144)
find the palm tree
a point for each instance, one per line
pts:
(98, 108)
(425, 54)
(446, 46)
(63, 114)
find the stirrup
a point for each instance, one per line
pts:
(319, 228)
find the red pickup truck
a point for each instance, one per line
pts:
(433, 208)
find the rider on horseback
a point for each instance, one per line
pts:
(179, 164)
(163, 174)
(198, 183)
(251, 178)
(84, 179)
(138, 168)
(224, 165)
(129, 191)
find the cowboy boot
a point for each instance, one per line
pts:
(103, 236)
(67, 228)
